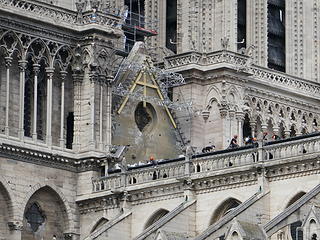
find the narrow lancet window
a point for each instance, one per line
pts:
(276, 35)
(242, 24)
(171, 26)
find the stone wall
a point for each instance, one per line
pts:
(52, 189)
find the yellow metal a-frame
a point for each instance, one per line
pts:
(141, 80)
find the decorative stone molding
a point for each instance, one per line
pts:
(15, 226)
(241, 62)
(47, 12)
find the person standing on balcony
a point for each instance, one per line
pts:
(234, 142)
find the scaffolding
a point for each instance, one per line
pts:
(165, 80)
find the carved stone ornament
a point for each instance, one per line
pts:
(15, 226)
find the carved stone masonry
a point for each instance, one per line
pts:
(15, 226)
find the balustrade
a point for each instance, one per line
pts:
(56, 14)
(242, 62)
(234, 159)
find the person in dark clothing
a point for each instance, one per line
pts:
(234, 142)
(248, 140)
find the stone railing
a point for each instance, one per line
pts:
(224, 56)
(285, 80)
(220, 161)
(243, 63)
(108, 183)
(53, 14)
(216, 161)
(139, 176)
(291, 148)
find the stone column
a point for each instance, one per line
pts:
(264, 128)
(36, 68)
(101, 145)
(108, 112)
(22, 67)
(276, 130)
(77, 81)
(49, 72)
(253, 127)
(223, 114)
(8, 61)
(240, 119)
(62, 139)
(232, 131)
(92, 138)
(15, 228)
(287, 133)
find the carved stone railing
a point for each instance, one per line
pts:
(285, 80)
(292, 149)
(242, 63)
(139, 176)
(287, 149)
(53, 14)
(220, 161)
(108, 183)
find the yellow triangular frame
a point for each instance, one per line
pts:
(141, 80)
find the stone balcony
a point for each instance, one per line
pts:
(241, 63)
(61, 17)
(292, 155)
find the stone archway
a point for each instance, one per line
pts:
(45, 215)
(6, 212)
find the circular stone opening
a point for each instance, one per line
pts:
(145, 117)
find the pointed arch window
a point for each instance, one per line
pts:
(35, 217)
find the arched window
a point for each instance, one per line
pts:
(246, 127)
(35, 217)
(28, 99)
(295, 231)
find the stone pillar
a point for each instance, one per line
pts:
(36, 68)
(15, 228)
(62, 139)
(253, 127)
(276, 130)
(101, 145)
(188, 160)
(49, 72)
(92, 138)
(125, 202)
(77, 81)
(189, 192)
(22, 67)
(232, 131)
(287, 133)
(264, 128)
(108, 112)
(223, 114)
(240, 119)
(8, 61)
